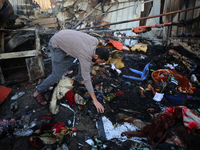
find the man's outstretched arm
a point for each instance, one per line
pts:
(97, 104)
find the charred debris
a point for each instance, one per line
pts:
(151, 81)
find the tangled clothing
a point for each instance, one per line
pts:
(184, 84)
(78, 45)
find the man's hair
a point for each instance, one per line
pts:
(103, 53)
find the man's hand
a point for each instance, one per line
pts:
(99, 107)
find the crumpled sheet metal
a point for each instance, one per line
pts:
(64, 85)
(6, 11)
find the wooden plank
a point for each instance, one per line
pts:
(1, 42)
(17, 30)
(37, 38)
(2, 79)
(19, 54)
(35, 67)
(47, 22)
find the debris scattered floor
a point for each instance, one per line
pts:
(133, 100)
(140, 87)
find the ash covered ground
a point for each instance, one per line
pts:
(131, 103)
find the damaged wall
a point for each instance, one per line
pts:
(122, 14)
(186, 30)
(125, 14)
(71, 12)
(22, 7)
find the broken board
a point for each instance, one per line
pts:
(35, 67)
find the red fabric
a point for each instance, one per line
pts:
(192, 125)
(4, 92)
(116, 44)
(45, 118)
(70, 97)
(56, 128)
(36, 142)
(190, 118)
(119, 93)
(157, 130)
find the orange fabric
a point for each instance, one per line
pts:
(116, 44)
(4, 92)
(105, 22)
(184, 84)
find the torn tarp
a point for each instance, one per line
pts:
(5, 91)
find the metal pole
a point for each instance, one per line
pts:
(52, 8)
(122, 8)
(74, 27)
(100, 31)
(143, 18)
(170, 20)
(109, 9)
(179, 15)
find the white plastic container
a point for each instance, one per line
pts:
(158, 97)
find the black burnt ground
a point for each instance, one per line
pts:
(132, 102)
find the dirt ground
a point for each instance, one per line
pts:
(86, 116)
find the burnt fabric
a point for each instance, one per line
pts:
(184, 84)
(158, 129)
(190, 118)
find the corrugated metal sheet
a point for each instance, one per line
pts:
(131, 13)
(155, 8)
(125, 14)
(152, 7)
(155, 32)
